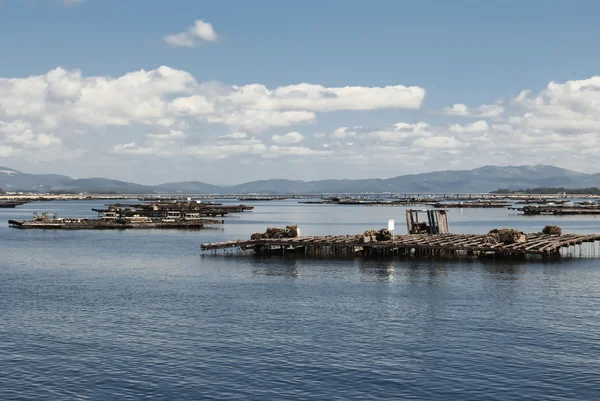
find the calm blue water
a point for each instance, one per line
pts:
(131, 315)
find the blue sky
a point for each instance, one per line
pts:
(458, 52)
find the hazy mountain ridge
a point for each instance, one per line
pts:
(482, 179)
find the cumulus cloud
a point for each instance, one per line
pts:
(571, 107)
(171, 135)
(296, 151)
(171, 97)
(221, 150)
(235, 135)
(289, 138)
(321, 99)
(19, 139)
(439, 142)
(344, 132)
(483, 111)
(476, 127)
(200, 32)
(136, 97)
(401, 132)
(167, 113)
(457, 109)
(258, 120)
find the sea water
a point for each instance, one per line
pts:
(142, 314)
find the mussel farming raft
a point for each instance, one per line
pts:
(96, 224)
(558, 210)
(465, 205)
(173, 215)
(545, 246)
(428, 236)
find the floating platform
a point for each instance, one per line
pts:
(11, 205)
(461, 205)
(557, 210)
(84, 224)
(437, 245)
(542, 201)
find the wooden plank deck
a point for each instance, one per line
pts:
(432, 245)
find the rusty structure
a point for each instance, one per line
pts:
(431, 222)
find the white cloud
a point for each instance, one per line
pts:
(476, 127)
(133, 149)
(344, 132)
(6, 151)
(167, 113)
(235, 135)
(200, 32)
(457, 109)
(296, 151)
(30, 139)
(172, 135)
(289, 138)
(258, 120)
(318, 98)
(400, 132)
(172, 98)
(573, 106)
(19, 134)
(191, 106)
(489, 111)
(483, 111)
(438, 142)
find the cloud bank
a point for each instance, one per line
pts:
(167, 116)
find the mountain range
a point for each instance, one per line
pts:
(482, 179)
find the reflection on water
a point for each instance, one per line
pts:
(505, 269)
(284, 267)
(376, 270)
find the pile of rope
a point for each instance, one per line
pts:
(372, 235)
(552, 230)
(276, 233)
(383, 235)
(369, 236)
(506, 236)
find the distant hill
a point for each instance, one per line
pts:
(482, 179)
(11, 180)
(187, 187)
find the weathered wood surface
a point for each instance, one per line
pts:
(535, 244)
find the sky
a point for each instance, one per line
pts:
(228, 91)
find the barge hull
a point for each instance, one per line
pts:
(111, 226)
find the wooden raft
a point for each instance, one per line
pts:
(438, 245)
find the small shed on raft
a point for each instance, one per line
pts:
(432, 221)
